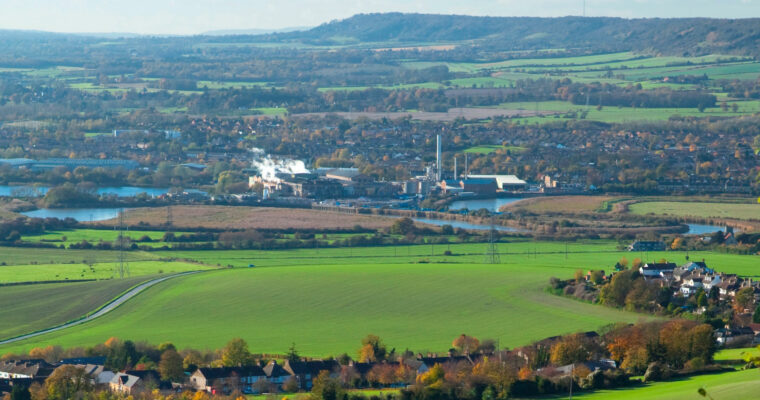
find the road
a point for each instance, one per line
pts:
(104, 310)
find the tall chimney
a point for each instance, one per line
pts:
(455, 169)
(466, 167)
(438, 158)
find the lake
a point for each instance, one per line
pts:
(120, 191)
(79, 214)
(697, 229)
(492, 205)
(465, 225)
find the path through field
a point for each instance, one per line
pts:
(104, 310)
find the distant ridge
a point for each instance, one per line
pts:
(254, 32)
(675, 36)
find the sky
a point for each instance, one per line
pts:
(197, 16)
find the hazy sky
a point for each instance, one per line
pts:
(195, 16)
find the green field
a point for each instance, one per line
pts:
(488, 149)
(620, 114)
(696, 209)
(327, 309)
(21, 256)
(736, 354)
(28, 308)
(100, 270)
(740, 385)
(325, 300)
(94, 236)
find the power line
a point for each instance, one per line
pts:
(492, 254)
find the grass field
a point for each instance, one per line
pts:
(21, 256)
(698, 209)
(736, 354)
(94, 236)
(327, 309)
(325, 300)
(29, 308)
(569, 204)
(739, 385)
(488, 149)
(101, 270)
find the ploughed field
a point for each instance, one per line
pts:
(326, 300)
(233, 217)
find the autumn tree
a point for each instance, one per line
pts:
(372, 349)
(236, 353)
(326, 388)
(466, 344)
(570, 349)
(67, 382)
(170, 366)
(744, 299)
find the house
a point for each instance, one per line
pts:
(691, 286)
(98, 373)
(425, 363)
(728, 336)
(655, 270)
(25, 369)
(306, 371)
(601, 365)
(132, 382)
(641, 245)
(276, 375)
(225, 380)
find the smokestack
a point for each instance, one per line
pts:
(438, 158)
(455, 168)
(466, 168)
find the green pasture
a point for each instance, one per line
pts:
(739, 385)
(736, 354)
(620, 114)
(271, 110)
(327, 309)
(325, 300)
(29, 308)
(698, 209)
(488, 149)
(21, 255)
(230, 85)
(69, 236)
(99, 270)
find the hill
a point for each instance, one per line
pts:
(681, 36)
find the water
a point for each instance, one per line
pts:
(697, 229)
(79, 214)
(121, 191)
(492, 205)
(465, 225)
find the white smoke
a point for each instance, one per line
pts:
(269, 167)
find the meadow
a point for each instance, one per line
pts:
(69, 236)
(729, 385)
(698, 209)
(327, 309)
(28, 308)
(326, 300)
(99, 270)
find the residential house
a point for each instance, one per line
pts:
(655, 270)
(306, 371)
(132, 382)
(25, 369)
(225, 380)
(276, 375)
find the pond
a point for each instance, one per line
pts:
(79, 214)
(697, 229)
(492, 205)
(465, 225)
(120, 191)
